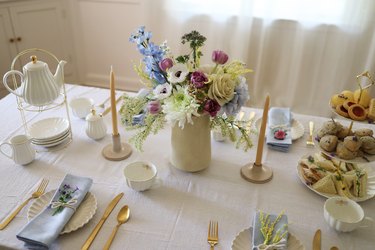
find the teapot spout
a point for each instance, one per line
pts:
(59, 75)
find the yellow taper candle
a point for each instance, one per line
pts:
(113, 102)
(262, 132)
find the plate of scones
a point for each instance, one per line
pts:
(344, 143)
(330, 177)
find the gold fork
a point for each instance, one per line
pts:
(310, 140)
(42, 186)
(213, 236)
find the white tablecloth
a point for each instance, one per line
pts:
(175, 215)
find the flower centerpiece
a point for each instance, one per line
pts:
(180, 91)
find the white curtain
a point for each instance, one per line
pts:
(302, 51)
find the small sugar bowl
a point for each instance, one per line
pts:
(95, 126)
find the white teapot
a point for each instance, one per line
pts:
(38, 86)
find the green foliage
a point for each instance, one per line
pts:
(152, 123)
(229, 126)
(267, 228)
(196, 41)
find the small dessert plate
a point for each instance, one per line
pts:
(297, 129)
(244, 241)
(81, 217)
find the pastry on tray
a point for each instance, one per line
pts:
(340, 141)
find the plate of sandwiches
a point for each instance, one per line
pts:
(330, 177)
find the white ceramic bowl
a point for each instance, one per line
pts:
(81, 106)
(140, 175)
(345, 215)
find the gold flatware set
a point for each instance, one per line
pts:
(122, 215)
(310, 139)
(317, 241)
(39, 192)
(213, 235)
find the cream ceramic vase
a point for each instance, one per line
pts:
(191, 146)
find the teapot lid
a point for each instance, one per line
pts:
(35, 64)
(93, 116)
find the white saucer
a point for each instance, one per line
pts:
(244, 239)
(49, 129)
(297, 130)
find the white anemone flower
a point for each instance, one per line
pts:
(180, 107)
(177, 73)
(162, 91)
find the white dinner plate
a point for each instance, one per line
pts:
(37, 141)
(81, 217)
(244, 239)
(53, 142)
(49, 129)
(297, 130)
(370, 185)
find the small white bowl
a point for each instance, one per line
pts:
(81, 106)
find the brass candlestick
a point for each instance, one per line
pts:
(257, 172)
(117, 150)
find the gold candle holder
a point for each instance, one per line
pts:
(257, 172)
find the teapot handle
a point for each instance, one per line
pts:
(6, 84)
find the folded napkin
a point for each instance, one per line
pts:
(44, 228)
(278, 134)
(280, 228)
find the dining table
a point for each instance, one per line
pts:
(176, 213)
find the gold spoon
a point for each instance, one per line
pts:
(122, 217)
(334, 248)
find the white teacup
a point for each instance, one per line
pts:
(141, 175)
(81, 106)
(345, 215)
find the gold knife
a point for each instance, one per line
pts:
(107, 212)
(317, 240)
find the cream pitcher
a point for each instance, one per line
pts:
(38, 86)
(21, 150)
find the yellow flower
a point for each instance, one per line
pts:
(221, 88)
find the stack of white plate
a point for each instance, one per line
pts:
(50, 132)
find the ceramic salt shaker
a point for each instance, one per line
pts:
(95, 126)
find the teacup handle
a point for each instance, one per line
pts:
(367, 222)
(3, 152)
(6, 83)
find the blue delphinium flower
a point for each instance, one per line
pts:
(152, 52)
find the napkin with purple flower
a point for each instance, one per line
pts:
(270, 231)
(44, 228)
(279, 129)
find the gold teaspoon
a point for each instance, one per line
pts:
(122, 217)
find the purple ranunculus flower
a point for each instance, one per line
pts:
(198, 78)
(211, 107)
(165, 64)
(219, 57)
(153, 107)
